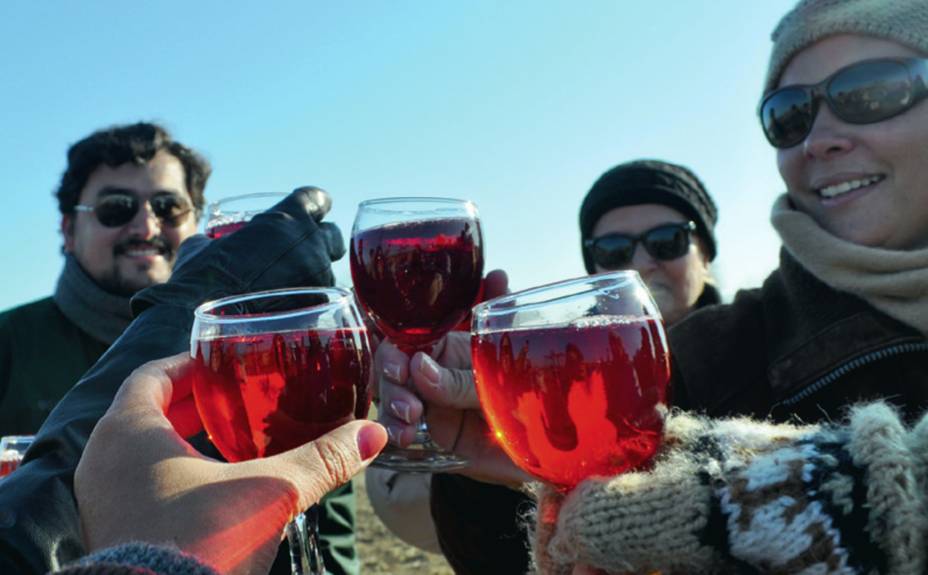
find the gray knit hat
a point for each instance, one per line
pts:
(903, 21)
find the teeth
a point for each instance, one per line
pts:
(845, 187)
(141, 253)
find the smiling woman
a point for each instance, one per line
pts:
(842, 320)
(862, 180)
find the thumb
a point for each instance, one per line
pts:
(320, 466)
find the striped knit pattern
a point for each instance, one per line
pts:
(734, 494)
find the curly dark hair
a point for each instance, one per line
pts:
(137, 143)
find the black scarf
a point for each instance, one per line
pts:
(103, 315)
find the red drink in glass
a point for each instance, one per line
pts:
(216, 231)
(262, 394)
(9, 461)
(418, 279)
(570, 401)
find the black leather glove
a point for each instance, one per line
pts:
(287, 246)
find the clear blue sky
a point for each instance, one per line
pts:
(518, 105)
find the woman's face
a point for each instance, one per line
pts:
(675, 284)
(886, 163)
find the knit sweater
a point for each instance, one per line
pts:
(138, 559)
(726, 494)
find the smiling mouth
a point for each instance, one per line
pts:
(142, 253)
(137, 249)
(835, 190)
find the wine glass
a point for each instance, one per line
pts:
(416, 266)
(227, 215)
(275, 370)
(572, 376)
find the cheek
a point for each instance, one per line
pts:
(686, 276)
(176, 236)
(790, 166)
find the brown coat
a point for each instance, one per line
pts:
(796, 348)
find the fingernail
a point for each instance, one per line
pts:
(430, 370)
(401, 410)
(392, 371)
(370, 441)
(393, 433)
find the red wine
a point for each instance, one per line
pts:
(568, 402)
(259, 395)
(464, 324)
(9, 461)
(217, 231)
(418, 279)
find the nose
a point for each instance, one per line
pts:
(642, 262)
(828, 137)
(145, 224)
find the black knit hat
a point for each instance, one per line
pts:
(649, 182)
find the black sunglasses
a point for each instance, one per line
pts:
(665, 242)
(862, 93)
(117, 208)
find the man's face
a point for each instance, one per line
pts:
(140, 253)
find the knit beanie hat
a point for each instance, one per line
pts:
(903, 21)
(649, 182)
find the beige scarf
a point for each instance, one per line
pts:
(893, 281)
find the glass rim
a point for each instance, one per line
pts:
(375, 202)
(249, 196)
(202, 312)
(483, 308)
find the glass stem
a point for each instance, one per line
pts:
(423, 436)
(303, 537)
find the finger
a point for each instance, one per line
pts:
(150, 388)
(185, 418)
(495, 284)
(391, 363)
(400, 401)
(442, 386)
(399, 411)
(322, 465)
(455, 351)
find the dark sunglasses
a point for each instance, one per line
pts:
(862, 93)
(117, 209)
(665, 242)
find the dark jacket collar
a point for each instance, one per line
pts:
(775, 341)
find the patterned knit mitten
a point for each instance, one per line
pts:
(727, 494)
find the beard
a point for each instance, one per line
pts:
(126, 278)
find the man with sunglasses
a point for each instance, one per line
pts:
(128, 198)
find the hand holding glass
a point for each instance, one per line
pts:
(572, 377)
(416, 265)
(275, 370)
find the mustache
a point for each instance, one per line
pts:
(157, 243)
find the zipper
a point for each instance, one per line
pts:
(850, 366)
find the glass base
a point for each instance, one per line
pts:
(418, 459)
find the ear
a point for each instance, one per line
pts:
(67, 232)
